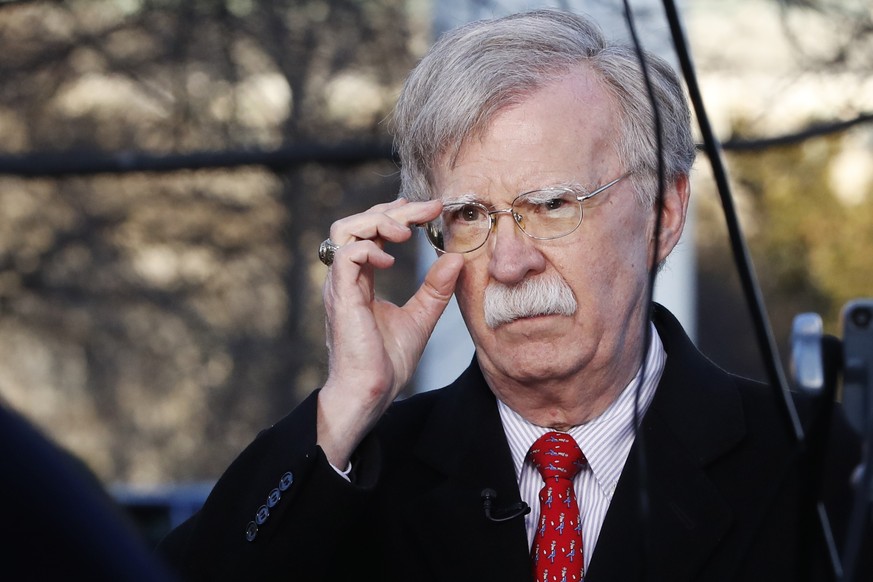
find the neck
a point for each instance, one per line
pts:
(561, 407)
(564, 402)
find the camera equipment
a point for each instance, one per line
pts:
(858, 363)
(816, 361)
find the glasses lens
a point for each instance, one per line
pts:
(460, 228)
(546, 214)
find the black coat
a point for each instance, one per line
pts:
(725, 488)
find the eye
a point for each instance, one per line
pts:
(465, 213)
(544, 202)
(470, 213)
(554, 204)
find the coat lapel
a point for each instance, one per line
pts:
(465, 446)
(694, 418)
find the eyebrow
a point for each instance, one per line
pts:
(559, 186)
(463, 199)
(574, 187)
(545, 194)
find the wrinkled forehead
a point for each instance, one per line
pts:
(580, 91)
(563, 134)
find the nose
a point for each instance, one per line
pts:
(514, 255)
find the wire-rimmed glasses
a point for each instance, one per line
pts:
(546, 214)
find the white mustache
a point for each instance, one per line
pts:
(546, 295)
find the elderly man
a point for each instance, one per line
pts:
(509, 132)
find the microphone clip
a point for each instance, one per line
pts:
(515, 510)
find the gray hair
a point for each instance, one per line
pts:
(473, 72)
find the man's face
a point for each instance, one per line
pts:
(560, 135)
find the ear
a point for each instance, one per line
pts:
(673, 210)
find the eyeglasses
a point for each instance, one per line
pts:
(546, 214)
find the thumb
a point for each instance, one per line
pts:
(434, 295)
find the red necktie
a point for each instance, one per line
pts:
(557, 545)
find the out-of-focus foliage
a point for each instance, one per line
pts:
(841, 31)
(772, 69)
(155, 322)
(810, 235)
(817, 245)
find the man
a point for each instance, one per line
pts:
(509, 130)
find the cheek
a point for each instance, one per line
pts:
(631, 237)
(469, 290)
(607, 262)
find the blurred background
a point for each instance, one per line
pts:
(169, 167)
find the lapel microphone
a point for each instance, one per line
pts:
(515, 510)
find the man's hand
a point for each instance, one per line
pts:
(374, 346)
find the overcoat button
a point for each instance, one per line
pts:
(274, 498)
(251, 531)
(263, 514)
(285, 481)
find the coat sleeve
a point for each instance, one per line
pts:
(280, 510)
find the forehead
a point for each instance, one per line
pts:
(563, 133)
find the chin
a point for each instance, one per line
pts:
(536, 367)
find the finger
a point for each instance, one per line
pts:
(434, 295)
(365, 253)
(390, 224)
(350, 262)
(382, 207)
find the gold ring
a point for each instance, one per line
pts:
(326, 251)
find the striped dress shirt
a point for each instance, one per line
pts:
(606, 442)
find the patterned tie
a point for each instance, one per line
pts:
(557, 545)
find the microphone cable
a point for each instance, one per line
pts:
(639, 438)
(750, 286)
(745, 270)
(748, 279)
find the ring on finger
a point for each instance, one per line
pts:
(326, 251)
